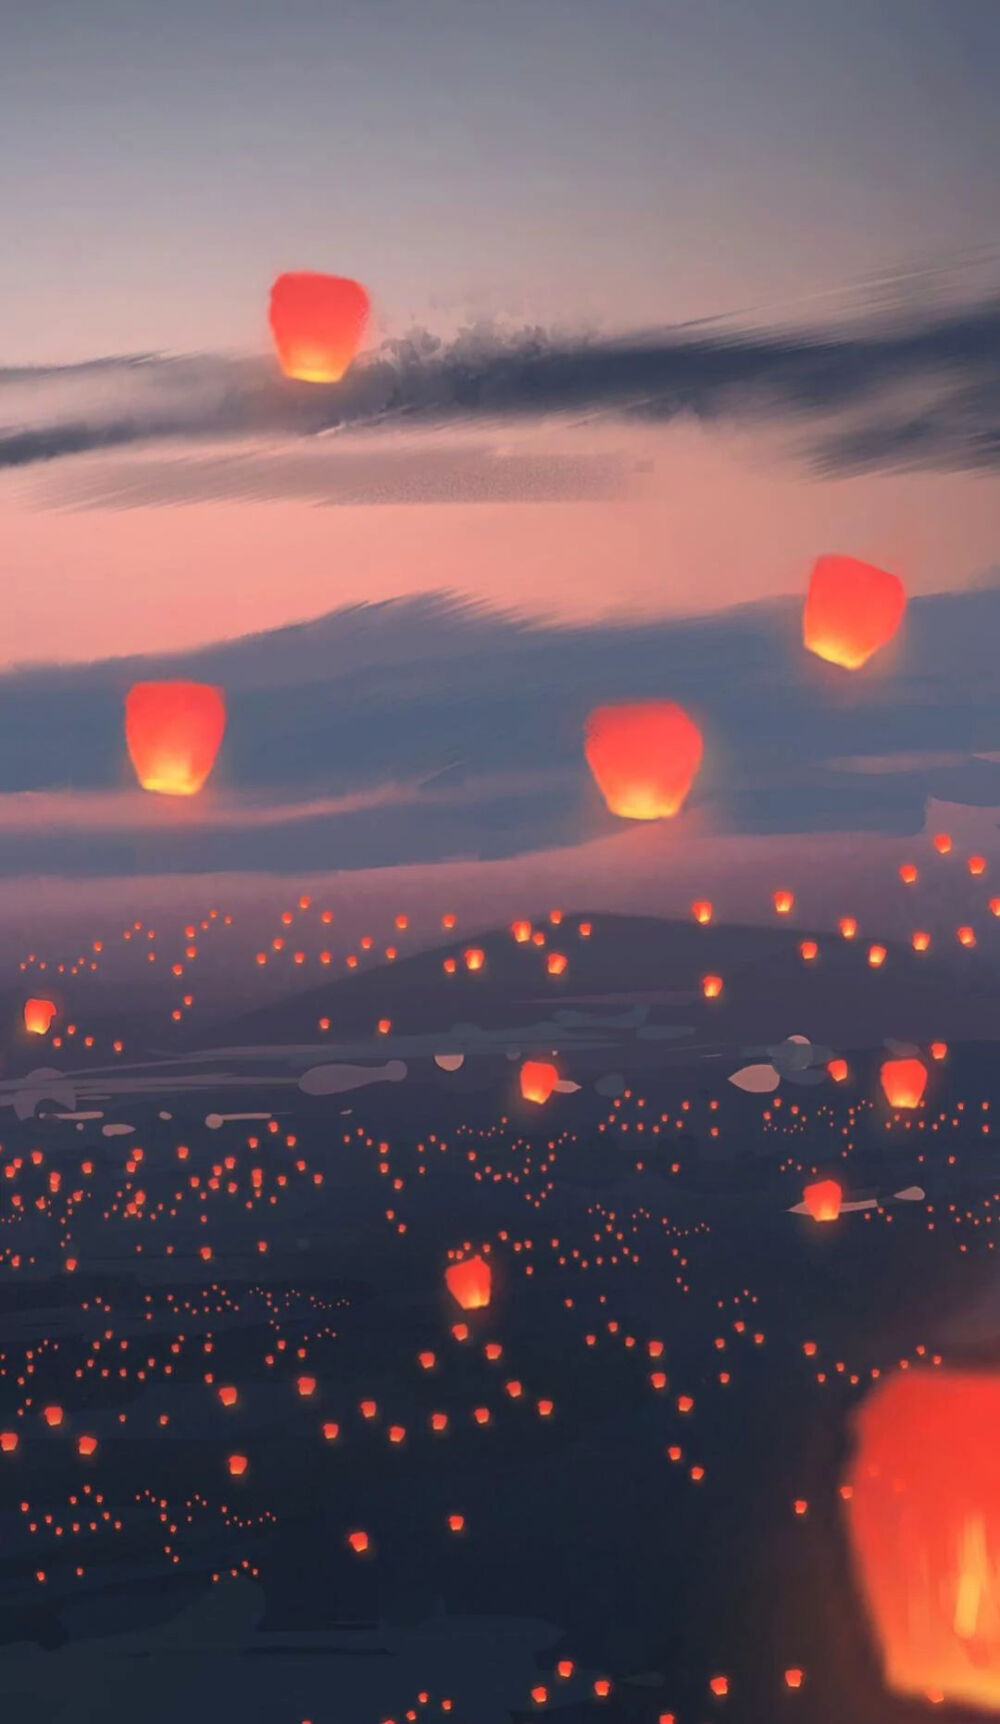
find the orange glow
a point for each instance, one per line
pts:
(924, 1527)
(238, 1465)
(809, 950)
(711, 987)
(474, 957)
(852, 609)
(903, 1081)
(470, 1283)
(823, 1199)
(908, 873)
(556, 963)
(318, 323)
(965, 936)
(644, 756)
(38, 1015)
(920, 940)
(173, 731)
(784, 902)
(359, 1542)
(838, 1070)
(848, 927)
(521, 932)
(942, 843)
(701, 910)
(538, 1080)
(977, 864)
(876, 957)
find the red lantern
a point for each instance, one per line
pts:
(318, 322)
(852, 610)
(644, 757)
(38, 1015)
(173, 731)
(904, 1082)
(923, 1516)
(823, 1199)
(470, 1283)
(538, 1080)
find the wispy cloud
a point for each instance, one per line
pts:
(823, 377)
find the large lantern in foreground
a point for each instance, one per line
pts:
(923, 1518)
(852, 609)
(644, 756)
(318, 322)
(173, 731)
(38, 1015)
(903, 1082)
(470, 1283)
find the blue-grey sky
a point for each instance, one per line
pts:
(618, 162)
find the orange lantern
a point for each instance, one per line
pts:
(808, 950)
(556, 963)
(976, 864)
(474, 957)
(920, 940)
(173, 731)
(711, 987)
(470, 1283)
(838, 1070)
(965, 935)
(908, 873)
(783, 902)
(848, 927)
(538, 1080)
(876, 957)
(923, 1519)
(939, 1050)
(38, 1015)
(318, 323)
(942, 843)
(852, 609)
(903, 1081)
(521, 932)
(701, 910)
(644, 756)
(823, 1199)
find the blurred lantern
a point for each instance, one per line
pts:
(852, 609)
(474, 957)
(644, 756)
(38, 1015)
(977, 864)
(556, 963)
(318, 323)
(808, 950)
(942, 843)
(903, 1081)
(908, 873)
(521, 931)
(848, 927)
(173, 731)
(470, 1283)
(838, 1070)
(939, 1050)
(965, 935)
(701, 910)
(711, 987)
(923, 1519)
(876, 957)
(920, 940)
(783, 902)
(823, 1199)
(538, 1080)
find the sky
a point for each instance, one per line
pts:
(754, 249)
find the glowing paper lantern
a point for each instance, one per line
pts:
(521, 932)
(538, 1080)
(908, 873)
(701, 910)
(474, 957)
(823, 1199)
(903, 1081)
(848, 927)
(808, 950)
(838, 1070)
(318, 323)
(173, 731)
(38, 1015)
(852, 609)
(644, 756)
(783, 902)
(711, 987)
(942, 843)
(920, 940)
(939, 1050)
(923, 1519)
(470, 1283)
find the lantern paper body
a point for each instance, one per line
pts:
(904, 1082)
(173, 731)
(318, 322)
(644, 757)
(924, 1527)
(538, 1080)
(823, 1200)
(851, 610)
(38, 1015)
(470, 1283)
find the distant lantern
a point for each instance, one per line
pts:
(939, 1050)
(823, 1199)
(908, 873)
(470, 1283)
(701, 910)
(521, 931)
(848, 927)
(556, 963)
(942, 843)
(920, 940)
(38, 1015)
(474, 957)
(876, 957)
(808, 950)
(838, 1070)
(923, 1520)
(903, 1082)
(173, 731)
(783, 901)
(318, 323)
(711, 987)
(644, 756)
(538, 1080)
(852, 609)
(976, 864)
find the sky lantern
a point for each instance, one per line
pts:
(965, 935)
(903, 1081)
(173, 731)
(644, 756)
(976, 864)
(838, 1070)
(556, 963)
(470, 1283)
(876, 957)
(474, 957)
(38, 1015)
(942, 843)
(711, 987)
(852, 609)
(823, 1199)
(920, 940)
(808, 950)
(538, 1080)
(783, 901)
(939, 1050)
(923, 1520)
(701, 910)
(848, 926)
(908, 873)
(318, 323)
(521, 931)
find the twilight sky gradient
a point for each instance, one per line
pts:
(613, 164)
